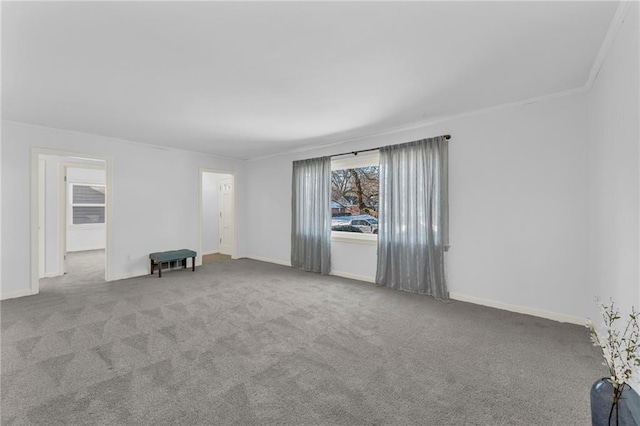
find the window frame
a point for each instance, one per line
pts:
(71, 205)
(363, 159)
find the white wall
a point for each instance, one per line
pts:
(155, 199)
(92, 238)
(89, 236)
(614, 164)
(354, 259)
(1, 207)
(210, 213)
(518, 206)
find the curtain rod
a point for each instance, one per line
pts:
(447, 137)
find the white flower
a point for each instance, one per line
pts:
(619, 348)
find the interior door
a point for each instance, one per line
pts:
(226, 215)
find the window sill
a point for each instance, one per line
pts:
(354, 238)
(87, 226)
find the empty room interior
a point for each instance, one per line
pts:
(316, 213)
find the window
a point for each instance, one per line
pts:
(87, 204)
(355, 183)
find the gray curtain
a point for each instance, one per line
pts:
(412, 230)
(311, 215)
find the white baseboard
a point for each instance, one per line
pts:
(206, 253)
(334, 273)
(52, 275)
(269, 260)
(519, 309)
(129, 275)
(86, 249)
(142, 273)
(18, 293)
(353, 276)
(455, 296)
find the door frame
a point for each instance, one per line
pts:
(63, 195)
(234, 245)
(35, 210)
(42, 218)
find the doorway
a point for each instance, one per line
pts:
(71, 215)
(217, 216)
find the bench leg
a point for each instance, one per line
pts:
(151, 266)
(184, 263)
(160, 270)
(193, 263)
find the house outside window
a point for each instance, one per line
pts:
(87, 204)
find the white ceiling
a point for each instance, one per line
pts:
(245, 80)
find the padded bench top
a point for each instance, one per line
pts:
(168, 256)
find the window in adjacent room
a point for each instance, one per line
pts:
(87, 204)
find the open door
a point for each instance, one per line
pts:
(217, 216)
(226, 215)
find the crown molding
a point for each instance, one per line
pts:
(612, 32)
(431, 121)
(126, 141)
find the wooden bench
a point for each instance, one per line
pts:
(172, 256)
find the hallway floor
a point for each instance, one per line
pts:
(83, 267)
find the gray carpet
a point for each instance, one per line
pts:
(244, 342)
(83, 267)
(216, 257)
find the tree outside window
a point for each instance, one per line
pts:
(354, 199)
